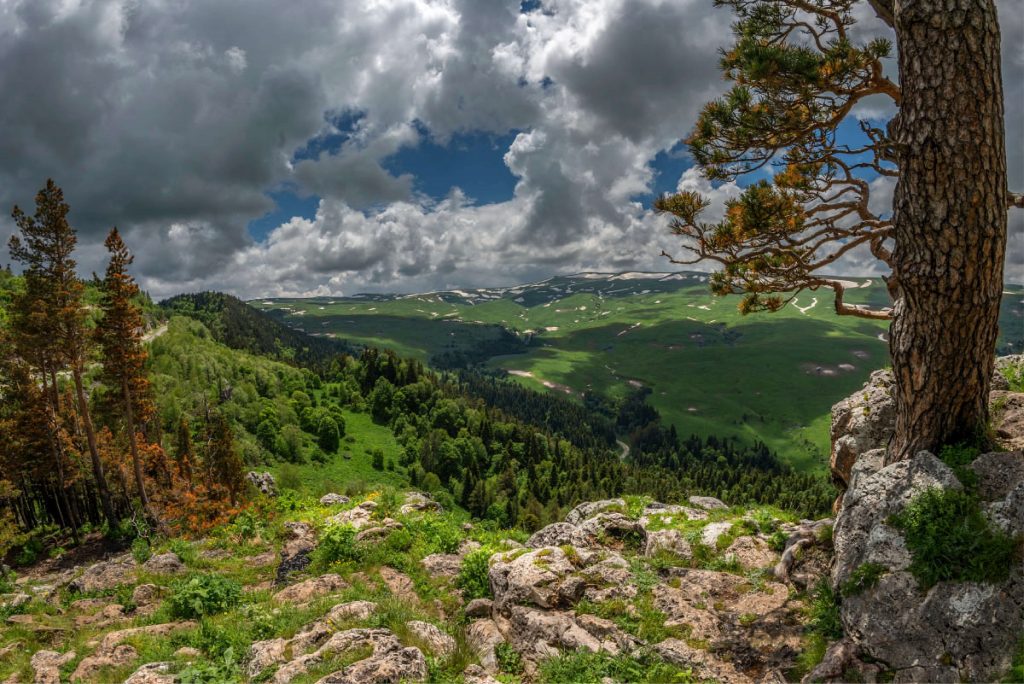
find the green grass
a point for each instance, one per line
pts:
(950, 539)
(338, 474)
(583, 666)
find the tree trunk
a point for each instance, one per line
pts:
(949, 212)
(94, 454)
(129, 419)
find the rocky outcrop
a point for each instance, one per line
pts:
(953, 631)
(431, 637)
(557, 534)
(307, 590)
(164, 564)
(861, 422)
(592, 508)
(104, 576)
(667, 541)
(263, 482)
(416, 502)
(333, 499)
(359, 517)
(542, 577)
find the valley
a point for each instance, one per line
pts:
(706, 368)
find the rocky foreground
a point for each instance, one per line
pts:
(698, 591)
(391, 588)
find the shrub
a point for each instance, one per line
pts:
(473, 576)
(959, 457)
(140, 549)
(289, 477)
(823, 611)
(508, 658)
(950, 539)
(201, 595)
(863, 577)
(337, 545)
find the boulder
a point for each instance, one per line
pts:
(352, 610)
(263, 654)
(112, 639)
(538, 634)
(531, 578)
(315, 587)
(263, 482)
(358, 517)
(681, 611)
(164, 564)
(436, 641)
(152, 673)
(482, 637)
(667, 541)
(861, 422)
(667, 513)
(474, 674)
(333, 499)
(399, 584)
(402, 665)
(558, 534)
(712, 531)
(104, 576)
(418, 503)
(709, 503)
(953, 631)
(380, 641)
(91, 665)
(46, 665)
(145, 595)
(704, 664)
(378, 533)
(592, 508)
(478, 608)
(606, 526)
(751, 553)
(12, 602)
(442, 564)
(998, 474)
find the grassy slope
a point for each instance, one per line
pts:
(772, 377)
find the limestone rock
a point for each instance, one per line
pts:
(358, 517)
(378, 533)
(263, 654)
(91, 665)
(605, 526)
(47, 664)
(152, 673)
(333, 499)
(399, 584)
(436, 641)
(592, 508)
(861, 422)
(681, 610)
(263, 482)
(670, 541)
(751, 552)
(558, 534)
(539, 634)
(712, 531)
(703, 663)
(392, 667)
(533, 577)
(862, 534)
(164, 564)
(418, 503)
(315, 587)
(709, 503)
(474, 674)
(442, 564)
(482, 636)
(998, 473)
(145, 595)
(187, 652)
(351, 610)
(104, 576)
(480, 607)
(112, 639)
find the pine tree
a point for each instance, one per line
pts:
(119, 334)
(49, 318)
(222, 459)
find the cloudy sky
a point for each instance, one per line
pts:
(338, 146)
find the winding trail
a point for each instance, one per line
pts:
(625, 449)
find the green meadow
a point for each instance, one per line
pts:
(710, 370)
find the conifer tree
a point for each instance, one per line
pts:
(49, 317)
(799, 69)
(119, 334)
(222, 459)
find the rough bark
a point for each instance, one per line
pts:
(949, 213)
(94, 454)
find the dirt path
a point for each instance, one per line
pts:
(625, 449)
(154, 333)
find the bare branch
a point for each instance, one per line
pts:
(884, 10)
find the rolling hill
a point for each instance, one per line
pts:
(705, 367)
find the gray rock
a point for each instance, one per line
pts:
(483, 636)
(442, 564)
(165, 564)
(1008, 418)
(712, 531)
(419, 503)
(263, 482)
(861, 422)
(105, 575)
(436, 641)
(558, 534)
(998, 473)
(478, 608)
(333, 499)
(592, 508)
(670, 541)
(152, 673)
(613, 526)
(530, 578)
(707, 502)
